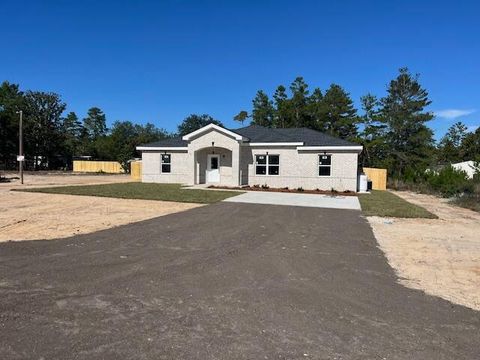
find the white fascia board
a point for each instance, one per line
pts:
(213, 127)
(275, 144)
(161, 148)
(331, 148)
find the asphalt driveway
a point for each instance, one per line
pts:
(226, 281)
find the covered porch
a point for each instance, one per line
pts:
(217, 166)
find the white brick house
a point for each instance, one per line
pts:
(253, 155)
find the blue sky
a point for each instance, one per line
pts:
(160, 61)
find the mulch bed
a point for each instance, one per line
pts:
(285, 190)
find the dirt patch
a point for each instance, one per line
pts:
(34, 216)
(439, 256)
(42, 179)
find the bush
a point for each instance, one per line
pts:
(449, 182)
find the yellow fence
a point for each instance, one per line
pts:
(111, 167)
(378, 178)
(136, 170)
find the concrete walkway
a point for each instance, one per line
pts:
(291, 199)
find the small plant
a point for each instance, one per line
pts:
(285, 188)
(333, 191)
(265, 186)
(256, 186)
(300, 189)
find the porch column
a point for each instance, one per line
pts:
(236, 164)
(192, 165)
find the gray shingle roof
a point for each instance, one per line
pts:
(256, 133)
(170, 142)
(308, 136)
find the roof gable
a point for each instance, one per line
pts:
(209, 127)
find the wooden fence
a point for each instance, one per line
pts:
(136, 170)
(378, 177)
(111, 167)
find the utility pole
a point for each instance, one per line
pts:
(20, 145)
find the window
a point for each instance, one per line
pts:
(324, 165)
(166, 163)
(214, 163)
(267, 164)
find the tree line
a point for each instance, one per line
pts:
(52, 141)
(393, 129)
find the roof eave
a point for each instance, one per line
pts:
(353, 148)
(161, 148)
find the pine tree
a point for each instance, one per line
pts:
(341, 116)
(281, 113)
(317, 112)
(299, 103)
(450, 147)
(95, 123)
(372, 134)
(410, 141)
(263, 112)
(72, 131)
(241, 116)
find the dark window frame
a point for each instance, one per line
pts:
(166, 164)
(325, 166)
(267, 165)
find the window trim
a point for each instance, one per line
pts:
(324, 166)
(165, 163)
(267, 165)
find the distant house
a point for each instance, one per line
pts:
(467, 166)
(253, 155)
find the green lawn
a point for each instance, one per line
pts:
(384, 203)
(144, 191)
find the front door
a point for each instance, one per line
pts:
(213, 168)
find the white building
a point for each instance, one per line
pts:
(253, 155)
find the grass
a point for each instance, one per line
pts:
(386, 204)
(471, 202)
(144, 191)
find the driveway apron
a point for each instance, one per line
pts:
(226, 281)
(292, 199)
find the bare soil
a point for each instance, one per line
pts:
(35, 216)
(439, 256)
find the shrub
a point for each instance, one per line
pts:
(449, 182)
(300, 189)
(265, 186)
